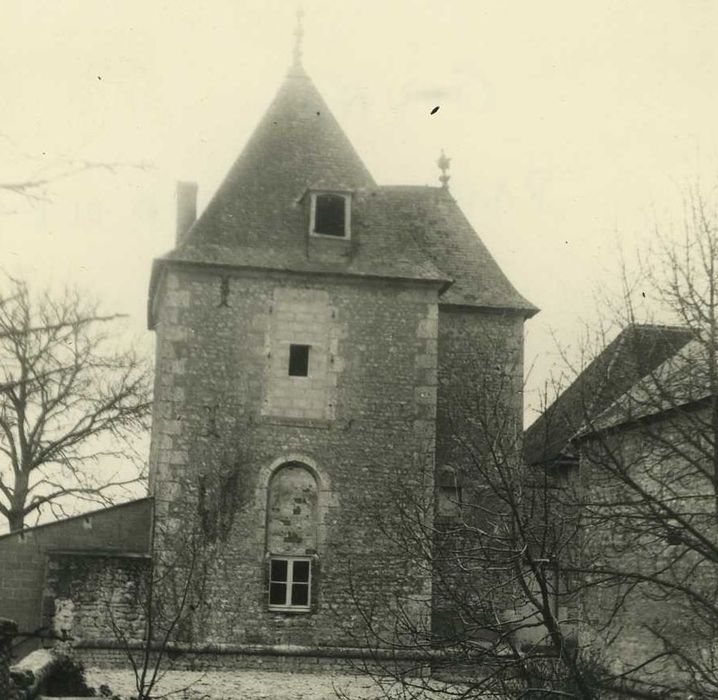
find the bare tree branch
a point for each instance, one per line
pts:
(68, 398)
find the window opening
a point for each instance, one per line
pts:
(449, 504)
(289, 583)
(330, 215)
(448, 493)
(299, 360)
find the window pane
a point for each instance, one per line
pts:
(300, 594)
(329, 215)
(277, 593)
(298, 360)
(279, 570)
(301, 571)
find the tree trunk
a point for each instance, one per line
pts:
(16, 518)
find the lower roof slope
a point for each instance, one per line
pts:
(634, 354)
(417, 233)
(682, 380)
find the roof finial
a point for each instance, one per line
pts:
(298, 37)
(444, 164)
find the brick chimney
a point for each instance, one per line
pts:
(186, 208)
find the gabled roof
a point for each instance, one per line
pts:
(635, 353)
(258, 217)
(681, 381)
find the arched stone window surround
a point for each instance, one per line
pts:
(292, 518)
(324, 500)
(325, 497)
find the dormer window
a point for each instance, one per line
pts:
(330, 214)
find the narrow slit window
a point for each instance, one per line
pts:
(299, 360)
(330, 215)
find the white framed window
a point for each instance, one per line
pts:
(290, 583)
(330, 214)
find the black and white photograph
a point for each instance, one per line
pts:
(359, 350)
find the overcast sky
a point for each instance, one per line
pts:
(572, 126)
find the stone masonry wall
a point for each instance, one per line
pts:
(377, 389)
(480, 392)
(663, 457)
(95, 597)
(480, 368)
(23, 555)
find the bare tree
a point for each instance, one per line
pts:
(649, 473)
(40, 174)
(169, 591)
(176, 592)
(496, 540)
(70, 401)
(558, 581)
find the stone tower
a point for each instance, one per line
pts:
(307, 324)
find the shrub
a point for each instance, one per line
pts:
(68, 678)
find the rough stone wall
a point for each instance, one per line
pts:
(211, 422)
(480, 371)
(23, 555)
(292, 512)
(629, 538)
(480, 397)
(328, 662)
(95, 597)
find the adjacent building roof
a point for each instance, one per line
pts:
(681, 381)
(635, 353)
(258, 216)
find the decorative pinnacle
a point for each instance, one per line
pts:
(444, 164)
(298, 38)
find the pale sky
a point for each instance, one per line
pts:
(572, 125)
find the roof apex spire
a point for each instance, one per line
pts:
(298, 40)
(444, 162)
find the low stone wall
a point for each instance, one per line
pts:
(228, 657)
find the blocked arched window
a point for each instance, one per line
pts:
(292, 520)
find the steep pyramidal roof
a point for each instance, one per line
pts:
(297, 145)
(258, 217)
